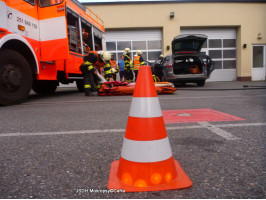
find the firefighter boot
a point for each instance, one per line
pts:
(88, 92)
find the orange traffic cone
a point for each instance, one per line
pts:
(146, 162)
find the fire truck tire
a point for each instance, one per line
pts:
(15, 77)
(80, 85)
(44, 87)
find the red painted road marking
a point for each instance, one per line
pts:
(196, 115)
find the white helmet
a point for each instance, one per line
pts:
(127, 50)
(139, 52)
(106, 56)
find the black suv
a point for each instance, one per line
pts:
(186, 64)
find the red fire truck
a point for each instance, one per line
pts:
(42, 44)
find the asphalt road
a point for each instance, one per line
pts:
(61, 146)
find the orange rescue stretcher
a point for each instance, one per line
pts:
(116, 88)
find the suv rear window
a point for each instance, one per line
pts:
(186, 46)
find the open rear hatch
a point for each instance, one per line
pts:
(185, 49)
(183, 44)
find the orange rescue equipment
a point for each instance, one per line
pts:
(118, 88)
(194, 69)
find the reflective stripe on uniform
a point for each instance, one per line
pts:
(87, 86)
(87, 63)
(90, 67)
(107, 69)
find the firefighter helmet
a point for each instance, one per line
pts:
(127, 50)
(106, 56)
(139, 52)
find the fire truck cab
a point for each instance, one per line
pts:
(42, 44)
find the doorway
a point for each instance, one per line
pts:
(258, 62)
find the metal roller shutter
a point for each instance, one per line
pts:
(148, 41)
(221, 47)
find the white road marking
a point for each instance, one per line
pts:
(218, 131)
(202, 125)
(161, 98)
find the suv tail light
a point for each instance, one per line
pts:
(169, 65)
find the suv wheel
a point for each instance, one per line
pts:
(200, 83)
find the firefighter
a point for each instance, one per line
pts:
(106, 57)
(114, 67)
(158, 71)
(155, 78)
(128, 66)
(88, 71)
(138, 61)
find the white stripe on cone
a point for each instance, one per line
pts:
(146, 151)
(145, 107)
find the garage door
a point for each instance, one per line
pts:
(221, 47)
(148, 41)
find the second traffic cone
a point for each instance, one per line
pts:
(146, 162)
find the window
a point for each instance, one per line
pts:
(229, 43)
(123, 44)
(32, 2)
(154, 55)
(229, 64)
(218, 64)
(229, 53)
(98, 43)
(257, 56)
(97, 39)
(156, 44)
(73, 32)
(86, 36)
(215, 53)
(151, 49)
(45, 3)
(214, 43)
(110, 46)
(139, 45)
(222, 52)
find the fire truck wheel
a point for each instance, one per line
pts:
(80, 85)
(15, 77)
(44, 87)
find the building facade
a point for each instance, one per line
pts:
(236, 32)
